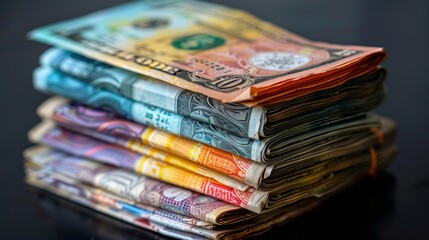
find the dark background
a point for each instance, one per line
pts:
(395, 205)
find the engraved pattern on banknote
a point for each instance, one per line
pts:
(90, 96)
(94, 118)
(93, 72)
(69, 187)
(216, 137)
(76, 168)
(233, 117)
(119, 182)
(88, 147)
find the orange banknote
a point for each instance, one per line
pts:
(156, 143)
(86, 147)
(221, 52)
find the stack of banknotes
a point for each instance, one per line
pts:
(199, 121)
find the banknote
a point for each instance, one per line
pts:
(135, 187)
(237, 118)
(284, 177)
(357, 95)
(338, 175)
(342, 138)
(101, 201)
(309, 149)
(136, 137)
(87, 147)
(157, 215)
(316, 159)
(223, 53)
(320, 161)
(267, 150)
(291, 172)
(48, 80)
(91, 198)
(322, 180)
(274, 153)
(41, 133)
(321, 108)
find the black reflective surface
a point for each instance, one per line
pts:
(393, 206)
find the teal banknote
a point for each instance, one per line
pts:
(267, 150)
(51, 81)
(237, 118)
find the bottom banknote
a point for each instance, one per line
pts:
(150, 204)
(150, 219)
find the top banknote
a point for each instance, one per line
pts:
(223, 53)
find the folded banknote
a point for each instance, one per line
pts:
(292, 171)
(109, 205)
(223, 53)
(135, 187)
(354, 96)
(314, 181)
(302, 151)
(117, 194)
(267, 150)
(90, 148)
(149, 218)
(47, 133)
